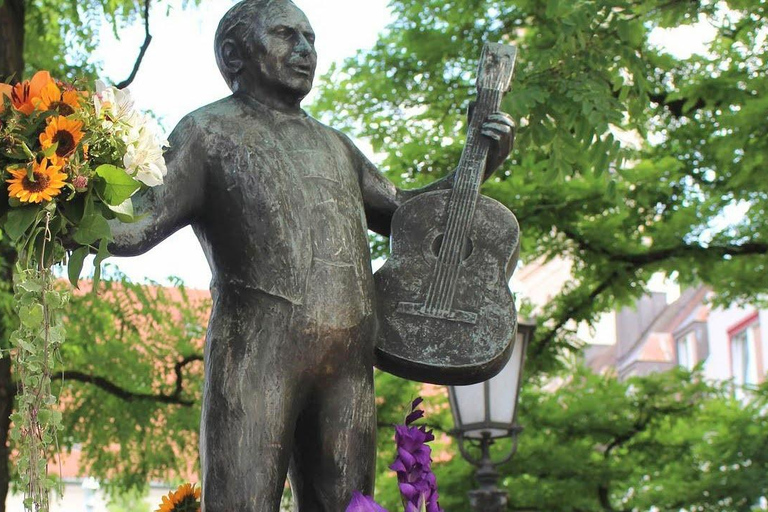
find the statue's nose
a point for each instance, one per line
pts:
(303, 47)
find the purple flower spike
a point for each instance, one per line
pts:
(415, 415)
(362, 503)
(413, 465)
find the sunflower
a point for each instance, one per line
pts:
(64, 132)
(184, 499)
(48, 182)
(51, 98)
(23, 94)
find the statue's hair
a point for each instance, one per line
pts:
(237, 24)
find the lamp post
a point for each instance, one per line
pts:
(485, 412)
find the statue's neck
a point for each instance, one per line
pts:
(284, 101)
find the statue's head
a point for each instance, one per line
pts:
(267, 46)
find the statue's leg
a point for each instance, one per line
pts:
(249, 405)
(335, 447)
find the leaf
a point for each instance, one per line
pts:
(19, 221)
(100, 256)
(93, 227)
(49, 152)
(75, 266)
(124, 211)
(56, 335)
(31, 316)
(117, 185)
(30, 285)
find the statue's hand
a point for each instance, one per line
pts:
(500, 128)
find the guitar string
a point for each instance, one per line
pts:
(465, 214)
(447, 249)
(472, 188)
(462, 206)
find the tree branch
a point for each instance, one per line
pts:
(179, 377)
(676, 107)
(130, 396)
(635, 261)
(655, 256)
(571, 312)
(147, 39)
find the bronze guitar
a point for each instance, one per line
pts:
(445, 310)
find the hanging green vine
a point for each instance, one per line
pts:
(72, 160)
(36, 419)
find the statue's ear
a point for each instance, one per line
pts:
(232, 57)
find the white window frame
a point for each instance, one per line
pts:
(686, 350)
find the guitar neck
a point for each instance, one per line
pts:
(497, 63)
(475, 154)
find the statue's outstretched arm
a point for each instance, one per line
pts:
(172, 205)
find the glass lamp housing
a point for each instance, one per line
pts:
(488, 409)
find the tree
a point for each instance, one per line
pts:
(597, 444)
(588, 75)
(133, 383)
(59, 37)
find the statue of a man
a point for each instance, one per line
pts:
(281, 205)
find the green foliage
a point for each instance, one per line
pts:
(588, 74)
(61, 35)
(36, 419)
(131, 501)
(592, 443)
(117, 187)
(133, 393)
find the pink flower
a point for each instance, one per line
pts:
(80, 183)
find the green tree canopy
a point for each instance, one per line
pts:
(132, 382)
(588, 73)
(596, 444)
(59, 36)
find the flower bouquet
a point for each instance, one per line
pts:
(72, 158)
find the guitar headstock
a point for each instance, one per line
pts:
(497, 63)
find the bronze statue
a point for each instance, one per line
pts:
(281, 205)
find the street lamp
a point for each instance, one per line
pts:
(485, 412)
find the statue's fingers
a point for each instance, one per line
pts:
(503, 118)
(498, 127)
(491, 134)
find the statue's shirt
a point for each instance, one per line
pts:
(284, 212)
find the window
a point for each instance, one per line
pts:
(746, 353)
(743, 358)
(686, 351)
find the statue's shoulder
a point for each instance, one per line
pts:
(335, 134)
(209, 118)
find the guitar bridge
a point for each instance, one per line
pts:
(415, 309)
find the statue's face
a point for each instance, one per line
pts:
(284, 50)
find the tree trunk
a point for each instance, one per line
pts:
(12, 49)
(7, 386)
(7, 393)
(11, 67)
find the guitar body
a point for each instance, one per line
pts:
(471, 340)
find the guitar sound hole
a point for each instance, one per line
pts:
(437, 243)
